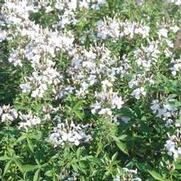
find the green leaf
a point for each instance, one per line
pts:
(77, 109)
(36, 136)
(79, 114)
(48, 173)
(36, 175)
(29, 168)
(20, 166)
(8, 164)
(82, 167)
(75, 167)
(156, 175)
(177, 166)
(21, 138)
(79, 152)
(30, 145)
(122, 146)
(122, 137)
(113, 158)
(126, 111)
(3, 158)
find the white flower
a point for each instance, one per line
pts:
(35, 93)
(176, 66)
(100, 2)
(108, 28)
(106, 84)
(169, 122)
(143, 30)
(163, 32)
(84, 4)
(102, 32)
(48, 9)
(133, 83)
(3, 35)
(163, 112)
(125, 119)
(137, 179)
(28, 120)
(155, 106)
(71, 133)
(6, 117)
(114, 29)
(95, 107)
(72, 5)
(117, 178)
(139, 2)
(1, 110)
(176, 2)
(15, 59)
(7, 113)
(172, 148)
(137, 93)
(116, 101)
(105, 111)
(174, 28)
(25, 87)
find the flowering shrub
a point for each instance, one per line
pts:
(90, 90)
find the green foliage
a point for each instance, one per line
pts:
(28, 155)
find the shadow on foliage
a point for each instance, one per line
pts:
(9, 77)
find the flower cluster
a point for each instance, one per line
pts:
(173, 146)
(114, 28)
(69, 133)
(28, 120)
(129, 175)
(165, 111)
(176, 66)
(93, 77)
(176, 2)
(7, 113)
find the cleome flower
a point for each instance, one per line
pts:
(7, 113)
(69, 133)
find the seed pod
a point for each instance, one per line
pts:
(177, 42)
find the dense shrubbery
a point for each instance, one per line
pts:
(90, 90)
